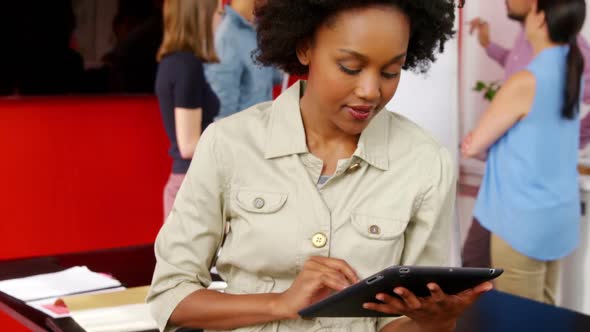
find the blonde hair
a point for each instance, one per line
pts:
(188, 26)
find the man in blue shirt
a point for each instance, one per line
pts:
(236, 79)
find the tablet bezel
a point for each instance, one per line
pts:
(349, 302)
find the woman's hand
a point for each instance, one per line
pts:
(320, 277)
(438, 312)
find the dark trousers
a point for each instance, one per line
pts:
(476, 250)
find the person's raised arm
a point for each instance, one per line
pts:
(512, 103)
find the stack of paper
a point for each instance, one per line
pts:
(54, 307)
(78, 279)
(97, 302)
(124, 318)
(119, 311)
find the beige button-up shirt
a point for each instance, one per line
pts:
(252, 175)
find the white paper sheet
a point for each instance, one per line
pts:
(126, 318)
(74, 280)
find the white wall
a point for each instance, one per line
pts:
(431, 100)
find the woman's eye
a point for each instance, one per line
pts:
(389, 75)
(349, 71)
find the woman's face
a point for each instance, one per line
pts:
(355, 63)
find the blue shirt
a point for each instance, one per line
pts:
(530, 195)
(236, 79)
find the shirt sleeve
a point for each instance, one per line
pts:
(497, 53)
(383, 321)
(225, 77)
(189, 84)
(188, 240)
(429, 233)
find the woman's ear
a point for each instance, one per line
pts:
(304, 52)
(541, 17)
(538, 16)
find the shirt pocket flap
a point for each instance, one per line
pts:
(260, 202)
(377, 227)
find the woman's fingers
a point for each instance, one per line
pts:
(469, 296)
(339, 265)
(332, 282)
(389, 305)
(332, 278)
(324, 269)
(410, 300)
(437, 295)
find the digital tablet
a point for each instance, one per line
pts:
(349, 302)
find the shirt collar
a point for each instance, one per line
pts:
(286, 134)
(233, 15)
(373, 146)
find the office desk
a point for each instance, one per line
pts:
(133, 266)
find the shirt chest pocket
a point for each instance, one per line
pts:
(262, 232)
(257, 214)
(373, 243)
(259, 202)
(378, 228)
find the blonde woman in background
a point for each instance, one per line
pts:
(187, 103)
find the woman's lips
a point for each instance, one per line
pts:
(360, 112)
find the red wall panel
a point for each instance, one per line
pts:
(80, 173)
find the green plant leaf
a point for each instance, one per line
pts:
(489, 95)
(479, 86)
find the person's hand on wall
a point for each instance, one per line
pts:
(483, 30)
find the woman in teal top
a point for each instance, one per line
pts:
(529, 197)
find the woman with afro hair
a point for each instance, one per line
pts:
(295, 199)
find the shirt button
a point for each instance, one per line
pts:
(258, 203)
(353, 168)
(374, 229)
(319, 240)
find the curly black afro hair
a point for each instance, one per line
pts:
(283, 24)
